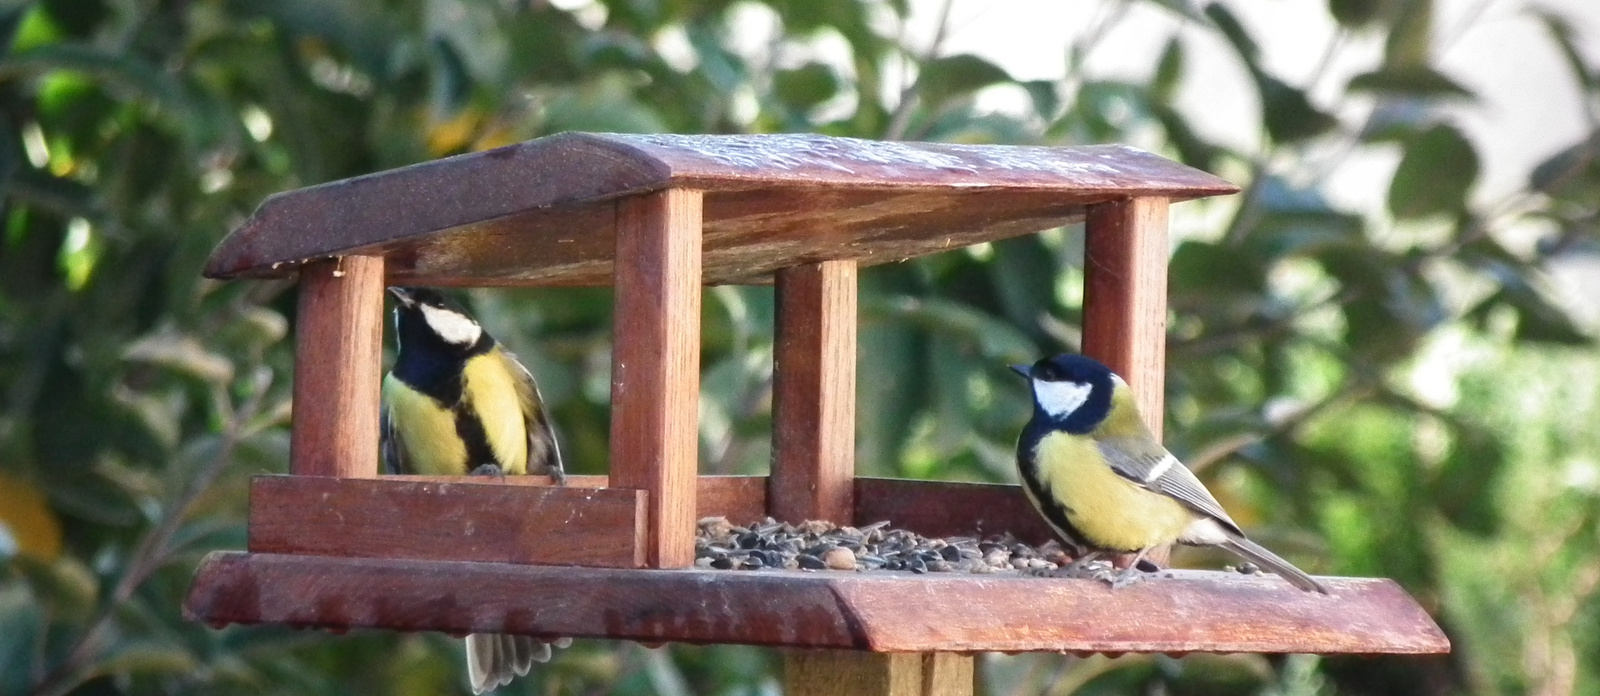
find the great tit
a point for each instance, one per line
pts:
(1103, 482)
(458, 403)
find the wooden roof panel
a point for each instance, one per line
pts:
(542, 212)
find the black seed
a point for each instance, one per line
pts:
(810, 562)
(722, 563)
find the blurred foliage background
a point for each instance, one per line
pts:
(1392, 392)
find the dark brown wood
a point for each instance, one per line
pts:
(1125, 297)
(814, 393)
(464, 519)
(338, 356)
(655, 365)
(877, 611)
(540, 212)
(741, 499)
(950, 509)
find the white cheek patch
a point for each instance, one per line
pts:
(453, 327)
(1060, 399)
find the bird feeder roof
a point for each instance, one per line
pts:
(542, 212)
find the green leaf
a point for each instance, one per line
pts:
(1563, 168)
(943, 79)
(1234, 32)
(1561, 30)
(805, 86)
(1046, 96)
(1409, 81)
(1463, 486)
(1169, 69)
(1288, 113)
(1435, 175)
(1356, 14)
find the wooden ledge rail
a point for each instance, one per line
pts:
(877, 611)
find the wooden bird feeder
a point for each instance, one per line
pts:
(333, 545)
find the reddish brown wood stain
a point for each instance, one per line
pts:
(878, 611)
(453, 519)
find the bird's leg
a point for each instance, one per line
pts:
(490, 469)
(1131, 574)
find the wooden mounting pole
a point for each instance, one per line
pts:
(338, 359)
(813, 472)
(655, 372)
(1125, 297)
(814, 394)
(856, 673)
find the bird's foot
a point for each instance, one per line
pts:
(559, 475)
(489, 470)
(1088, 568)
(1131, 576)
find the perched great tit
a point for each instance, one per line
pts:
(458, 403)
(1104, 483)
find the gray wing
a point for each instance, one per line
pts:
(544, 453)
(391, 449)
(1159, 471)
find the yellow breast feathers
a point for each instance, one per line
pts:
(489, 386)
(1110, 511)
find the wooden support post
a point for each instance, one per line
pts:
(1125, 296)
(655, 365)
(855, 673)
(338, 357)
(814, 394)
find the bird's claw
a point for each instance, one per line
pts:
(489, 470)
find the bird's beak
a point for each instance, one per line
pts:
(1025, 370)
(401, 296)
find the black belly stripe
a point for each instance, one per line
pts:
(469, 427)
(1054, 512)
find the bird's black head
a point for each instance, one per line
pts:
(1071, 392)
(428, 322)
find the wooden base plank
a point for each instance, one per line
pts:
(464, 519)
(741, 499)
(877, 611)
(949, 508)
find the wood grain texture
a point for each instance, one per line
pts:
(655, 365)
(741, 499)
(338, 357)
(949, 509)
(947, 674)
(877, 611)
(464, 519)
(851, 673)
(1125, 297)
(814, 393)
(535, 212)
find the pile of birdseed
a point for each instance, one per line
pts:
(818, 545)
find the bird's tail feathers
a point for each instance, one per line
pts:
(494, 659)
(1271, 561)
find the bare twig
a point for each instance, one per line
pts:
(900, 120)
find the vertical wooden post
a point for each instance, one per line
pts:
(1125, 296)
(814, 394)
(655, 365)
(856, 673)
(338, 363)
